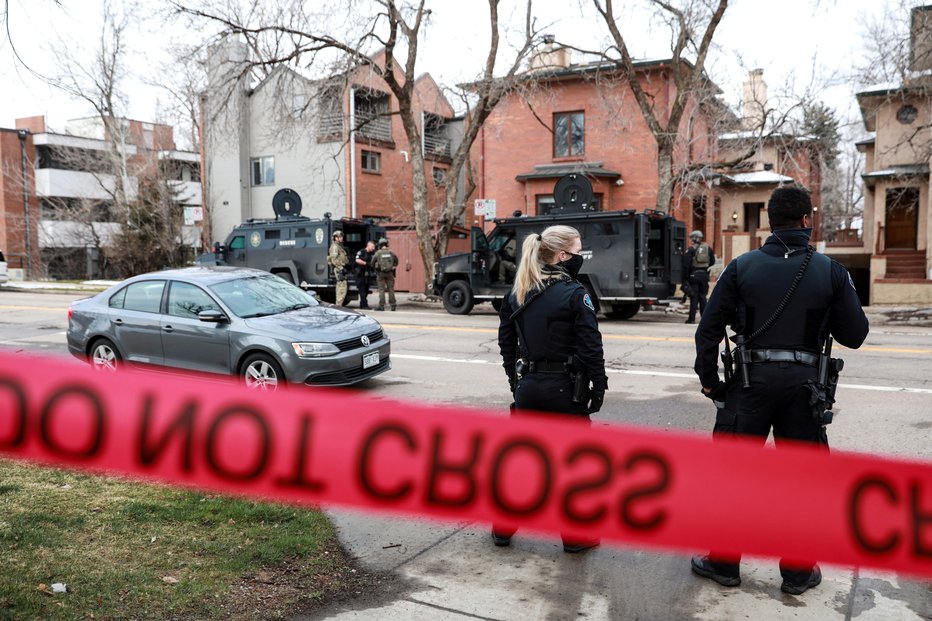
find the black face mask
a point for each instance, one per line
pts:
(573, 264)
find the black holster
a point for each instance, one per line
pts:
(580, 380)
(742, 360)
(822, 391)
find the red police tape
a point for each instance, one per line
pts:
(547, 474)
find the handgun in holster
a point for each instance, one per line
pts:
(822, 391)
(580, 380)
(742, 360)
(728, 361)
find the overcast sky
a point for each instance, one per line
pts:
(791, 40)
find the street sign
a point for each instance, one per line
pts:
(485, 207)
(192, 215)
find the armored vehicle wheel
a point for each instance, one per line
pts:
(623, 311)
(286, 276)
(497, 305)
(457, 298)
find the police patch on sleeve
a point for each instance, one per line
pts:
(588, 302)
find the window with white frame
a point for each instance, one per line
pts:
(263, 170)
(371, 161)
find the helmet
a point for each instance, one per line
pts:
(337, 233)
(696, 236)
(383, 242)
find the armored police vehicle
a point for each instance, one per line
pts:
(631, 258)
(294, 247)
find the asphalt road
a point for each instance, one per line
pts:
(453, 572)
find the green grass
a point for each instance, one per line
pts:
(130, 550)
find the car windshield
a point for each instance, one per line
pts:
(258, 296)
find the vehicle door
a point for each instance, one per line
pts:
(676, 244)
(236, 250)
(188, 342)
(479, 259)
(135, 321)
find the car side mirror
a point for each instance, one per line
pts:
(211, 316)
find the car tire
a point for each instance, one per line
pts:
(104, 356)
(497, 304)
(262, 372)
(623, 311)
(457, 298)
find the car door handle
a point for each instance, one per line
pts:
(168, 329)
(118, 322)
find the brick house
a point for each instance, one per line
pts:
(61, 174)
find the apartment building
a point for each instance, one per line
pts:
(70, 179)
(337, 141)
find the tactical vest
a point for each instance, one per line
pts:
(702, 257)
(548, 322)
(384, 261)
(763, 281)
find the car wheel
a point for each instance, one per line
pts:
(623, 311)
(457, 298)
(262, 372)
(497, 304)
(105, 356)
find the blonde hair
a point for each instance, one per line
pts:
(537, 251)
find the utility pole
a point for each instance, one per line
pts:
(27, 271)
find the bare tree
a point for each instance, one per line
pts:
(693, 28)
(282, 34)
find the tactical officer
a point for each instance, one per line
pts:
(783, 301)
(697, 260)
(363, 259)
(550, 341)
(384, 261)
(338, 260)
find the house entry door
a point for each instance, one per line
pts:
(902, 219)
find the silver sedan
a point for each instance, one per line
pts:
(233, 321)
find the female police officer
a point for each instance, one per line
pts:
(549, 334)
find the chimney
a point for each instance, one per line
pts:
(754, 103)
(920, 39)
(35, 124)
(551, 56)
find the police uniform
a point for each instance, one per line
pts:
(558, 322)
(783, 358)
(338, 260)
(385, 278)
(697, 277)
(362, 276)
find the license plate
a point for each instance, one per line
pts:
(370, 360)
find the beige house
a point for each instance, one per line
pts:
(896, 233)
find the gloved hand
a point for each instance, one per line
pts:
(596, 397)
(718, 392)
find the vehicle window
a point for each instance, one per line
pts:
(237, 243)
(257, 296)
(273, 234)
(187, 300)
(116, 300)
(145, 296)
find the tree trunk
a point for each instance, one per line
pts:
(665, 177)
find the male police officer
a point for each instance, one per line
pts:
(363, 258)
(384, 261)
(338, 260)
(696, 263)
(782, 327)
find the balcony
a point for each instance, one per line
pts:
(437, 147)
(53, 182)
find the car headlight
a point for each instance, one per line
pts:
(315, 350)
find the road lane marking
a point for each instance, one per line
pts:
(57, 309)
(673, 374)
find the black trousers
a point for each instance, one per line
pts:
(546, 392)
(698, 292)
(778, 399)
(362, 286)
